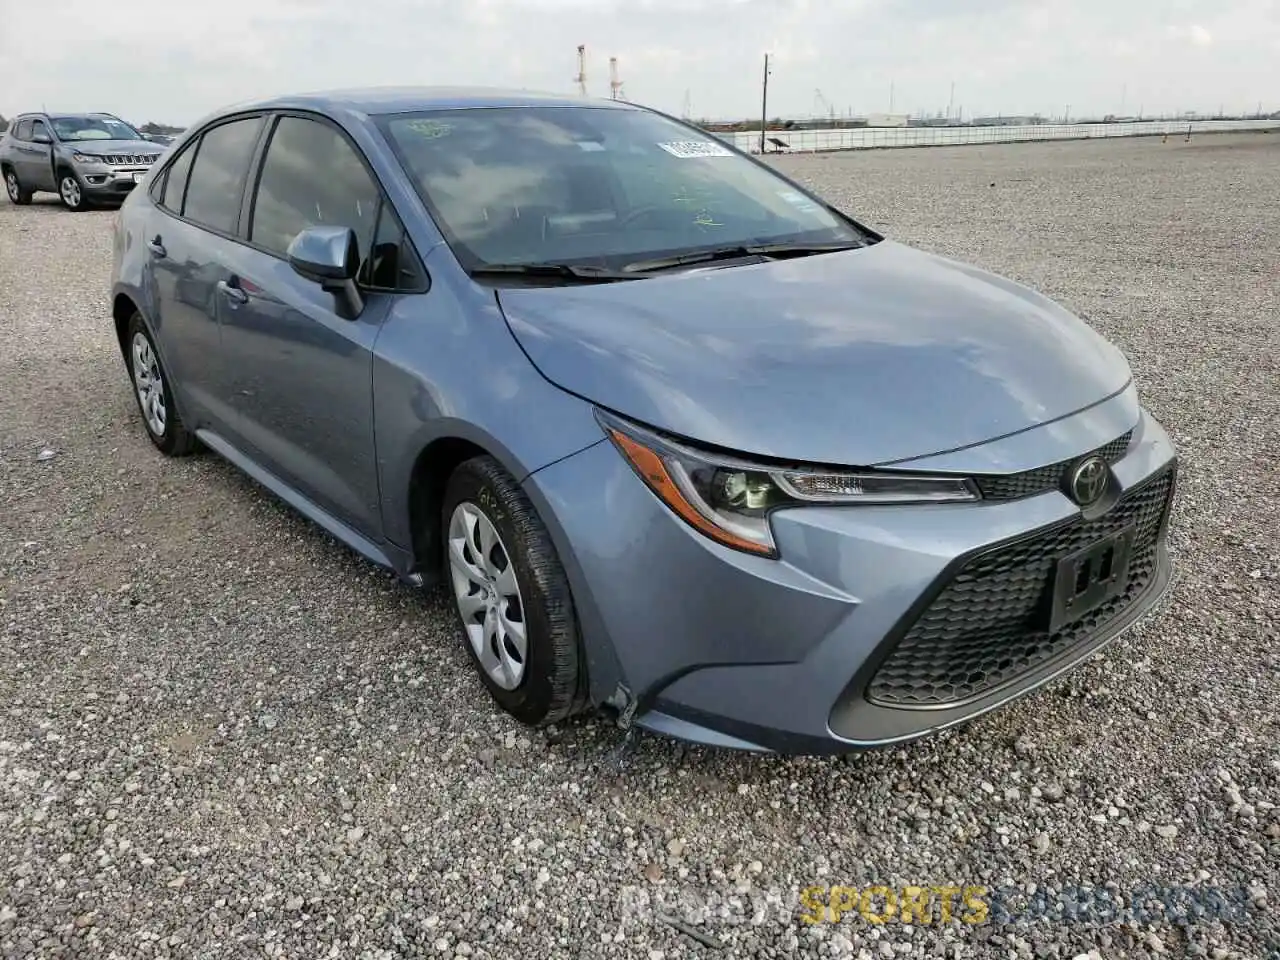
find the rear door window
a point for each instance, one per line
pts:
(175, 180)
(215, 187)
(23, 130)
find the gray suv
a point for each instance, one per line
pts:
(84, 158)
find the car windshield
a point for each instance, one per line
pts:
(596, 185)
(93, 128)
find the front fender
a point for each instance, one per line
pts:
(447, 366)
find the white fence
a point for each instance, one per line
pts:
(867, 138)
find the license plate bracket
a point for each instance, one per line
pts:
(1090, 577)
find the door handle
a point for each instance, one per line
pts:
(232, 292)
(157, 248)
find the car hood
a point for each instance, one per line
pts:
(863, 357)
(98, 148)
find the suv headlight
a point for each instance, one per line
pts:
(730, 499)
(86, 158)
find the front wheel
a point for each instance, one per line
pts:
(70, 191)
(511, 595)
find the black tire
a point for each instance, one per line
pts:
(554, 682)
(173, 440)
(13, 188)
(77, 201)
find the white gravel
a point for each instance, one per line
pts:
(223, 735)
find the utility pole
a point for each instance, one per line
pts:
(891, 96)
(951, 101)
(764, 103)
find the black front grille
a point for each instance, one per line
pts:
(1011, 486)
(990, 623)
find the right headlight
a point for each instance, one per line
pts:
(729, 499)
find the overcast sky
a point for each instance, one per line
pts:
(173, 60)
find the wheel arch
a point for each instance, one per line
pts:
(428, 478)
(123, 307)
(450, 445)
(125, 302)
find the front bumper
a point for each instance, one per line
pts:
(875, 626)
(115, 183)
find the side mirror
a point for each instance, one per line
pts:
(40, 136)
(330, 256)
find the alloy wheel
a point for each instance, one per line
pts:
(11, 184)
(70, 191)
(488, 595)
(149, 384)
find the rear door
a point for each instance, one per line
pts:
(304, 374)
(191, 244)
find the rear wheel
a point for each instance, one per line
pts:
(70, 191)
(154, 395)
(511, 595)
(13, 187)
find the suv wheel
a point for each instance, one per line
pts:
(16, 191)
(511, 595)
(151, 390)
(70, 191)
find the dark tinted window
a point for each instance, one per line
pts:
(216, 181)
(392, 263)
(311, 176)
(38, 127)
(175, 182)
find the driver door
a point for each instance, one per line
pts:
(35, 160)
(302, 375)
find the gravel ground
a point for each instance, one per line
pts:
(223, 735)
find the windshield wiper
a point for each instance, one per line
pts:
(737, 252)
(580, 273)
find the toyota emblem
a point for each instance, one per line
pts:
(1088, 481)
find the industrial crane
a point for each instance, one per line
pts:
(581, 78)
(615, 85)
(822, 105)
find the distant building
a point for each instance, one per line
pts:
(1008, 121)
(887, 120)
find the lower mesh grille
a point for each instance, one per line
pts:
(989, 624)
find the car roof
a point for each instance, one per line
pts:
(66, 116)
(383, 100)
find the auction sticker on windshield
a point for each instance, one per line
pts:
(695, 148)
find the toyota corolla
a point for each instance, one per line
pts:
(681, 440)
